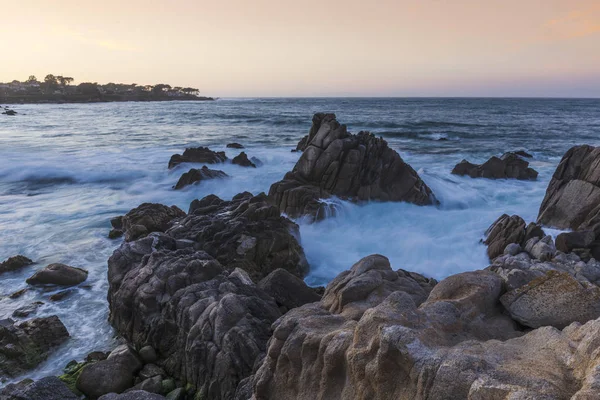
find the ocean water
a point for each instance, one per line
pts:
(65, 170)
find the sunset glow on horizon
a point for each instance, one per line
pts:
(237, 48)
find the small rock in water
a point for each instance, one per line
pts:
(14, 263)
(197, 155)
(58, 274)
(18, 293)
(63, 294)
(508, 166)
(234, 146)
(27, 310)
(243, 161)
(198, 175)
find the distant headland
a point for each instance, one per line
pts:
(59, 89)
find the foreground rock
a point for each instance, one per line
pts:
(243, 161)
(355, 167)
(58, 274)
(148, 217)
(508, 166)
(202, 155)
(509, 230)
(49, 388)
(14, 263)
(197, 175)
(23, 346)
(572, 200)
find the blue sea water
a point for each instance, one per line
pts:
(65, 170)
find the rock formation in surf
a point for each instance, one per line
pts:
(509, 166)
(572, 200)
(354, 167)
(202, 155)
(198, 175)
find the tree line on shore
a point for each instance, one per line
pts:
(59, 85)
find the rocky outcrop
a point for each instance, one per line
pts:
(202, 155)
(23, 346)
(14, 263)
(234, 145)
(509, 166)
(148, 217)
(246, 232)
(208, 326)
(242, 160)
(509, 229)
(572, 200)
(287, 290)
(198, 175)
(58, 274)
(49, 388)
(354, 167)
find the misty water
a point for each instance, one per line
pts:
(65, 170)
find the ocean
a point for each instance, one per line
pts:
(65, 170)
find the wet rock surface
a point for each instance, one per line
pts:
(58, 274)
(194, 176)
(202, 155)
(355, 167)
(14, 263)
(510, 165)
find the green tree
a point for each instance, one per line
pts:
(31, 79)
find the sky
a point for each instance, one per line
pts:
(243, 48)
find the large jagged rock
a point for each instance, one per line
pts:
(246, 232)
(208, 326)
(23, 346)
(509, 166)
(572, 200)
(14, 263)
(202, 155)
(48, 388)
(148, 217)
(355, 167)
(198, 175)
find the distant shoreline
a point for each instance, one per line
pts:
(79, 99)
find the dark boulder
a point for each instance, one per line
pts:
(23, 346)
(354, 167)
(572, 200)
(14, 263)
(568, 241)
(234, 146)
(149, 217)
(242, 160)
(288, 290)
(58, 274)
(48, 388)
(508, 166)
(202, 155)
(198, 175)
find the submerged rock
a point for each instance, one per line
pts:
(572, 200)
(202, 155)
(355, 167)
(23, 346)
(509, 165)
(242, 160)
(198, 175)
(58, 274)
(14, 263)
(234, 145)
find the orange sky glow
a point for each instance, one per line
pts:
(232, 48)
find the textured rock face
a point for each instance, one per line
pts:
(242, 160)
(509, 165)
(207, 326)
(198, 175)
(457, 344)
(354, 167)
(508, 230)
(572, 199)
(246, 232)
(23, 346)
(49, 388)
(202, 155)
(149, 217)
(14, 263)
(58, 274)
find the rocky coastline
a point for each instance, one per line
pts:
(210, 303)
